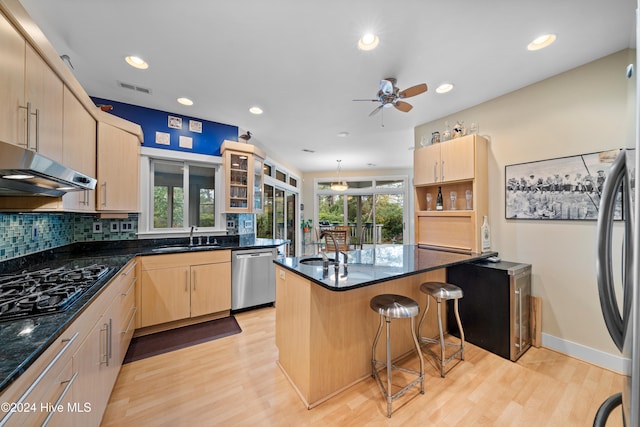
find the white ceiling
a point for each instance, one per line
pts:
(299, 61)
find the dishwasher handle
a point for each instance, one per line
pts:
(254, 255)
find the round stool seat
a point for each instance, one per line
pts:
(394, 306)
(441, 290)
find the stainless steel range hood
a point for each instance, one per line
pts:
(26, 173)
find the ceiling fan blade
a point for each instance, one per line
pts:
(374, 100)
(374, 112)
(413, 91)
(405, 107)
(386, 86)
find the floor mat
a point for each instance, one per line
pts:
(175, 339)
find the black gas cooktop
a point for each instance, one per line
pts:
(48, 290)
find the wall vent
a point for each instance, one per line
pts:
(134, 87)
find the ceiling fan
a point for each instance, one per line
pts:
(389, 95)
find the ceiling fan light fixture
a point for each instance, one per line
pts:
(444, 88)
(255, 110)
(185, 101)
(136, 62)
(368, 41)
(541, 42)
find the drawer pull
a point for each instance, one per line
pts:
(133, 315)
(62, 395)
(133, 282)
(126, 273)
(44, 372)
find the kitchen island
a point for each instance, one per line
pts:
(324, 326)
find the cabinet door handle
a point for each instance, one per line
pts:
(68, 383)
(104, 194)
(110, 330)
(186, 281)
(435, 171)
(45, 371)
(37, 129)
(519, 317)
(28, 129)
(442, 171)
(194, 280)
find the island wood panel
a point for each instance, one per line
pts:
(325, 337)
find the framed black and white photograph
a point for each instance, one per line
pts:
(566, 188)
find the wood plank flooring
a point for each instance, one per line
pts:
(235, 381)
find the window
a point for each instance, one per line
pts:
(281, 176)
(183, 194)
(373, 209)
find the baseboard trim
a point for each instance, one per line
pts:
(615, 363)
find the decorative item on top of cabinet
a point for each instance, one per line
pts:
(243, 171)
(458, 166)
(117, 171)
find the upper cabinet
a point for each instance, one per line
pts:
(244, 174)
(118, 170)
(459, 169)
(30, 96)
(445, 162)
(79, 151)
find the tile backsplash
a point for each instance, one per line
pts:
(24, 234)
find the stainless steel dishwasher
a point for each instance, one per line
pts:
(253, 278)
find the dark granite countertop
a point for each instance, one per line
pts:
(367, 267)
(24, 340)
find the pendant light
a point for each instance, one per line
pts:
(340, 185)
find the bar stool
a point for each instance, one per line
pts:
(442, 291)
(390, 306)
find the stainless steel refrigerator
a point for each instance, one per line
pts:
(623, 320)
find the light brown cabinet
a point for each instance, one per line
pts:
(79, 150)
(244, 173)
(457, 166)
(175, 287)
(30, 96)
(118, 165)
(79, 369)
(99, 358)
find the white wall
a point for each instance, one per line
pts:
(584, 110)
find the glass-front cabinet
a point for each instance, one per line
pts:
(243, 166)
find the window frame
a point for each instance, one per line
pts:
(145, 221)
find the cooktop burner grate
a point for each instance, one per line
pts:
(49, 290)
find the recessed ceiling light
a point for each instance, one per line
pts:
(255, 110)
(137, 62)
(444, 88)
(541, 42)
(368, 42)
(343, 134)
(307, 150)
(185, 101)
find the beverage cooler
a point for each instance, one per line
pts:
(495, 308)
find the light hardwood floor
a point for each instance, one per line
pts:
(235, 381)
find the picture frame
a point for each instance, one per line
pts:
(564, 188)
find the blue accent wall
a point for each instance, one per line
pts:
(153, 121)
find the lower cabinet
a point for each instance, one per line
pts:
(70, 383)
(183, 286)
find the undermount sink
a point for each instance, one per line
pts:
(183, 248)
(314, 261)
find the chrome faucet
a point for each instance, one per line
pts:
(325, 258)
(191, 235)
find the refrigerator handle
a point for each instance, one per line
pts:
(608, 302)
